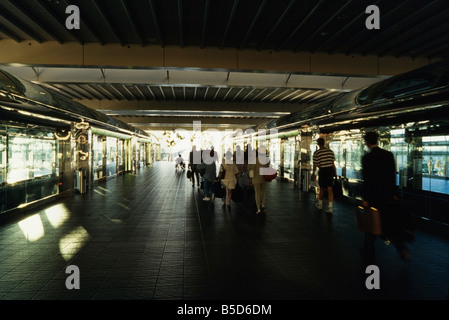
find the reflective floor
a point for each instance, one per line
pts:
(149, 235)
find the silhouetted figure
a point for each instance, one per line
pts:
(194, 161)
(379, 191)
(210, 174)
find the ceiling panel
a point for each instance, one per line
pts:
(409, 28)
(331, 26)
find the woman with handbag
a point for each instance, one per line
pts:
(229, 173)
(257, 179)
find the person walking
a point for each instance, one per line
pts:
(210, 174)
(229, 174)
(179, 163)
(194, 161)
(257, 180)
(379, 191)
(324, 161)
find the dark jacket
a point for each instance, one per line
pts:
(379, 177)
(194, 160)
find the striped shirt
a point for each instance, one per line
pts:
(323, 158)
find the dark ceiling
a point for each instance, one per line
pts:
(410, 28)
(416, 28)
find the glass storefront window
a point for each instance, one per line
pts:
(354, 153)
(348, 148)
(275, 152)
(289, 157)
(2, 159)
(111, 156)
(30, 157)
(29, 169)
(337, 147)
(97, 158)
(399, 148)
(434, 165)
(121, 155)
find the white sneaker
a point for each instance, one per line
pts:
(328, 210)
(206, 199)
(318, 206)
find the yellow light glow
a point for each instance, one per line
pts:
(71, 243)
(32, 228)
(57, 215)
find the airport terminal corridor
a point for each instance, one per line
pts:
(149, 235)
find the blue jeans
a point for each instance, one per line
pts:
(208, 188)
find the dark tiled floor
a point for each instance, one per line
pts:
(150, 236)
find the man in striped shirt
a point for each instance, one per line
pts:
(324, 160)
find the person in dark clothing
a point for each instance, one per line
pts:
(194, 161)
(210, 173)
(379, 191)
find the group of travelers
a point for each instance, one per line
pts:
(378, 189)
(236, 173)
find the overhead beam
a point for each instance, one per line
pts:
(101, 13)
(73, 54)
(205, 17)
(156, 22)
(32, 17)
(188, 120)
(180, 24)
(342, 31)
(401, 26)
(199, 105)
(299, 26)
(131, 22)
(250, 29)
(278, 22)
(23, 27)
(228, 25)
(324, 25)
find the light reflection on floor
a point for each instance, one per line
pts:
(33, 229)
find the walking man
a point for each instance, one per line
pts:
(379, 191)
(324, 160)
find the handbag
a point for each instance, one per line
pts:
(244, 180)
(189, 174)
(223, 172)
(337, 188)
(272, 176)
(218, 189)
(368, 220)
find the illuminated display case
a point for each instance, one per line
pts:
(29, 165)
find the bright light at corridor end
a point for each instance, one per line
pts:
(226, 136)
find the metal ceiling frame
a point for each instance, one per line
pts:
(212, 25)
(20, 19)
